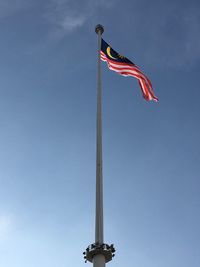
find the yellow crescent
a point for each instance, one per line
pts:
(108, 52)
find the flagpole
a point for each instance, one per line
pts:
(99, 253)
(99, 164)
(99, 260)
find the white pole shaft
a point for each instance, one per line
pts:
(99, 176)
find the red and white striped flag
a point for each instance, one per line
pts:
(125, 67)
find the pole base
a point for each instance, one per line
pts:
(95, 249)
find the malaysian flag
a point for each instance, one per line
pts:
(125, 67)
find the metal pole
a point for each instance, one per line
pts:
(99, 260)
(99, 253)
(99, 176)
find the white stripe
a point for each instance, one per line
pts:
(128, 69)
(133, 71)
(121, 66)
(142, 81)
(130, 72)
(142, 88)
(146, 91)
(114, 62)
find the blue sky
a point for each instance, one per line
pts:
(151, 151)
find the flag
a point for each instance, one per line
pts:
(125, 67)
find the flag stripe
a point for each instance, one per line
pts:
(127, 69)
(105, 58)
(131, 69)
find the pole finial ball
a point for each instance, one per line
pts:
(99, 28)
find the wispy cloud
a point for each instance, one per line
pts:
(67, 15)
(169, 34)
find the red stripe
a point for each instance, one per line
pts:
(130, 70)
(134, 71)
(127, 67)
(120, 63)
(126, 73)
(148, 95)
(142, 89)
(124, 66)
(143, 86)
